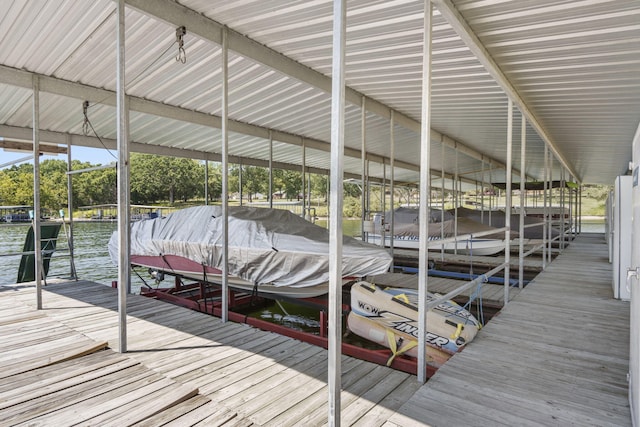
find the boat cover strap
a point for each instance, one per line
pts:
(395, 351)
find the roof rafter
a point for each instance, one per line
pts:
(53, 137)
(462, 28)
(208, 29)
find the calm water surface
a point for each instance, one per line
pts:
(91, 255)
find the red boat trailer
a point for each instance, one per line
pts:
(201, 297)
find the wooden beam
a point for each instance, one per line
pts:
(8, 144)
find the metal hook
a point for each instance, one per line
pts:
(182, 54)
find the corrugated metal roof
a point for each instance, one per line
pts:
(575, 64)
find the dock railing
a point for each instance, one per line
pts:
(475, 282)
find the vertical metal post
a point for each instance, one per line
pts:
(572, 211)
(523, 200)
(550, 227)
(335, 212)
(124, 235)
(363, 164)
(545, 207)
(206, 182)
(304, 176)
(270, 169)
(425, 192)
(579, 196)
(240, 180)
(454, 187)
(482, 195)
(490, 191)
(507, 208)
(442, 176)
(72, 264)
(562, 206)
(37, 235)
(225, 175)
(383, 199)
(392, 148)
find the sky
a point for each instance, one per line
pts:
(96, 156)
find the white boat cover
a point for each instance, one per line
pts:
(265, 245)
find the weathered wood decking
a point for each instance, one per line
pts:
(557, 355)
(182, 368)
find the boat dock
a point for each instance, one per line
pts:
(182, 368)
(556, 355)
(491, 294)
(409, 258)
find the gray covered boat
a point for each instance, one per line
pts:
(271, 250)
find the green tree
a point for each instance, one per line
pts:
(215, 181)
(155, 178)
(255, 180)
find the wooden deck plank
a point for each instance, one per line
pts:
(174, 412)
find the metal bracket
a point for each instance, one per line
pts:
(632, 273)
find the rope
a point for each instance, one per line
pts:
(477, 294)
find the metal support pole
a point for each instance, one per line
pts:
(392, 149)
(507, 208)
(335, 212)
(124, 235)
(442, 177)
(580, 209)
(240, 181)
(72, 264)
(304, 176)
(454, 187)
(523, 178)
(383, 199)
(270, 169)
(562, 206)
(482, 195)
(37, 235)
(550, 219)
(363, 164)
(425, 192)
(225, 175)
(545, 206)
(206, 182)
(490, 191)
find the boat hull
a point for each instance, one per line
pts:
(480, 247)
(184, 267)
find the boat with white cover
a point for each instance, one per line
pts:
(271, 251)
(389, 317)
(406, 233)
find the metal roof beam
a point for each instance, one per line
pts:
(21, 78)
(25, 133)
(462, 28)
(53, 137)
(208, 29)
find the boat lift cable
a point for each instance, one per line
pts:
(477, 295)
(86, 125)
(180, 57)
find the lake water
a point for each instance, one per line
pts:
(91, 255)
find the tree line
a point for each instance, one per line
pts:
(153, 179)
